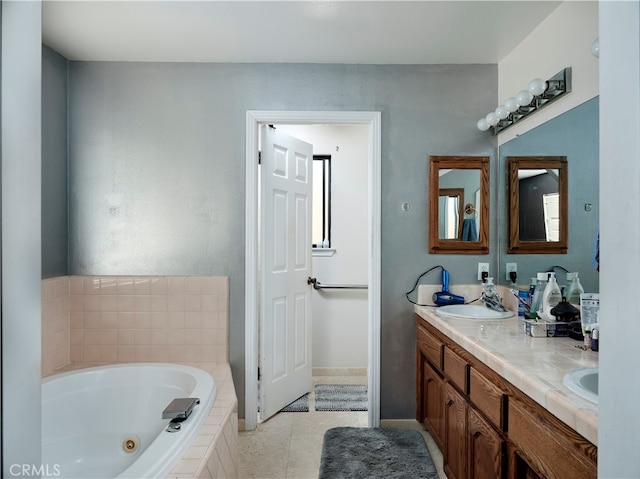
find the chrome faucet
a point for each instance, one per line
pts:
(490, 296)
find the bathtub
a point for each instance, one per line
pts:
(106, 422)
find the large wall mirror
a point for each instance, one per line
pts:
(459, 204)
(538, 199)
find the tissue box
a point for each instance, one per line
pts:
(546, 329)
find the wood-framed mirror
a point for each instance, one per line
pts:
(459, 204)
(537, 204)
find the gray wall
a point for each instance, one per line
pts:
(55, 222)
(156, 173)
(573, 134)
(21, 233)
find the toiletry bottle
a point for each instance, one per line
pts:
(523, 302)
(574, 289)
(536, 302)
(595, 339)
(551, 297)
(533, 284)
(489, 287)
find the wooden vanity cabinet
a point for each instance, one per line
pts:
(430, 385)
(484, 426)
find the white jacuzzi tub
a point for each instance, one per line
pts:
(91, 416)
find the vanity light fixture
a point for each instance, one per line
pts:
(540, 93)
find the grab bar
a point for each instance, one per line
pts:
(317, 285)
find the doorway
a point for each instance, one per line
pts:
(253, 121)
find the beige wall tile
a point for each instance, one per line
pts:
(125, 354)
(193, 285)
(142, 320)
(109, 302)
(175, 302)
(142, 285)
(108, 354)
(108, 337)
(193, 303)
(192, 320)
(159, 285)
(125, 303)
(176, 320)
(90, 353)
(176, 285)
(160, 320)
(109, 285)
(90, 285)
(158, 303)
(125, 285)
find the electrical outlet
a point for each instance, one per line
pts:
(482, 267)
(511, 268)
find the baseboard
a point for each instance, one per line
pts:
(402, 424)
(339, 371)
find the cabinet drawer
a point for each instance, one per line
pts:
(552, 452)
(430, 347)
(456, 369)
(487, 398)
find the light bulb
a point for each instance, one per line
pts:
(595, 48)
(537, 87)
(524, 97)
(511, 104)
(492, 119)
(502, 112)
(483, 125)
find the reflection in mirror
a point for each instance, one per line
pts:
(538, 204)
(458, 204)
(450, 213)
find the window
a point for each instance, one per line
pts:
(321, 228)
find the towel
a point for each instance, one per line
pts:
(469, 232)
(596, 251)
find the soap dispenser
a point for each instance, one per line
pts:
(551, 297)
(574, 288)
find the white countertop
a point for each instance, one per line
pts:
(536, 366)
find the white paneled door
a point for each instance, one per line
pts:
(285, 305)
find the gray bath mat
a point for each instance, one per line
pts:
(341, 397)
(299, 405)
(370, 453)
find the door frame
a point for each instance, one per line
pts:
(253, 120)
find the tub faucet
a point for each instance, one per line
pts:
(490, 296)
(178, 410)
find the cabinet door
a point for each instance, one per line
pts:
(433, 403)
(455, 437)
(486, 449)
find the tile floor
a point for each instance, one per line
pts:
(289, 445)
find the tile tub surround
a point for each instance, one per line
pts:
(214, 453)
(55, 324)
(536, 366)
(123, 319)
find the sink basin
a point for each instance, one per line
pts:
(472, 311)
(583, 382)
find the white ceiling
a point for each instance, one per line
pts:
(376, 32)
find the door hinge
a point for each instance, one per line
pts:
(259, 376)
